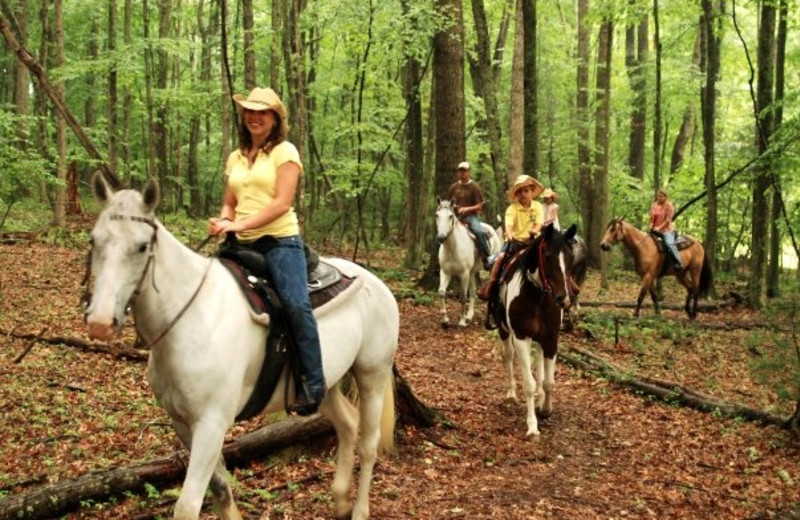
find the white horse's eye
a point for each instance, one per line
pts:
(143, 248)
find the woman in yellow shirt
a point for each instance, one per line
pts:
(262, 179)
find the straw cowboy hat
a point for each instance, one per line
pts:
(264, 99)
(521, 182)
(546, 194)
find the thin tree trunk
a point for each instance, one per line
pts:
(60, 199)
(530, 154)
(275, 47)
(249, 45)
(516, 123)
(657, 111)
(773, 269)
(584, 180)
(636, 40)
(488, 91)
(711, 58)
(603, 143)
(112, 86)
(687, 130)
(161, 132)
(416, 188)
(763, 131)
(127, 99)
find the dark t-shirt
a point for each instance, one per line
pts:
(464, 195)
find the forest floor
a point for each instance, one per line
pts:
(605, 453)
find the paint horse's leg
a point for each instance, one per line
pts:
(444, 281)
(508, 361)
(546, 379)
(205, 460)
(523, 351)
(344, 417)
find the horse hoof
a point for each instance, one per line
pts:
(445, 325)
(345, 516)
(533, 436)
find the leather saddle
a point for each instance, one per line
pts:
(250, 270)
(681, 241)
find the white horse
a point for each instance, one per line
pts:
(207, 350)
(459, 257)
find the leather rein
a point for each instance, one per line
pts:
(87, 295)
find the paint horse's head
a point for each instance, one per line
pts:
(546, 263)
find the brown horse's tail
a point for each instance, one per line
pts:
(706, 276)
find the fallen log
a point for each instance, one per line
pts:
(701, 306)
(116, 349)
(53, 500)
(666, 390)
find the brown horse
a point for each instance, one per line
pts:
(695, 275)
(534, 296)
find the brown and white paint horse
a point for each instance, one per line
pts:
(534, 298)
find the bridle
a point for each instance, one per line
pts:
(539, 277)
(87, 295)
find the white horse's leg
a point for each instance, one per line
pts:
(344, 417)
(220, 488)
(371, 388)
(221, 493)
(466, 307)
(508, 361)
(472, 290)
(444, 281)
(529, 384)
(206, 448)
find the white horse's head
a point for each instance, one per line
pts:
(123, 240)
(445, 219)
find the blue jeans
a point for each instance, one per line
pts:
(474, 224)
(286, 262)
(672, 250)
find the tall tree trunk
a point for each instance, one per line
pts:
(687, 130)
(530, 154)
(60, 209)
(449, 110)
(228, 117)
(636, 40)
(712, 38)
(603, 144)
(112, 86)
(416, 192)
(516, 124)
(762, 178)
(295, 77)
(584, 180)
(773, 269)
(249, 45)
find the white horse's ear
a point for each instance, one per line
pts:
(438, 200)
(151, 195)
(102, 191)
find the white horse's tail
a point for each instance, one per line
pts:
(386, 443)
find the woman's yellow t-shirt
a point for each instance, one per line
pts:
(255, 187)
(521, 220)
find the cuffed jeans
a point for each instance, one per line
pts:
(286, 261)
(474, 224)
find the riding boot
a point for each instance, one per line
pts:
(486, 289)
